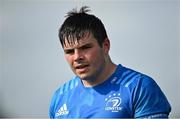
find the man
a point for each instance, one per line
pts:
(101, 89)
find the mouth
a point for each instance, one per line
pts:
(81, 66)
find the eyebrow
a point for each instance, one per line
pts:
(79, 47)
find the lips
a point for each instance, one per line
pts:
(81, 66)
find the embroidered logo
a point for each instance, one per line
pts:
(62, 111)
(113, 103)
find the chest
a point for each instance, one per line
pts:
(85, 104)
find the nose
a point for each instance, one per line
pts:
(78, 55)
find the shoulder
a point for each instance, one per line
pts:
(66, 87)
(133, 78)
(62, 92)
(145, 92)
(138, 83)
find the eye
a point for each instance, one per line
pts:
(68, 51)
(86, 47)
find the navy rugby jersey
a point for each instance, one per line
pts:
(125, 94)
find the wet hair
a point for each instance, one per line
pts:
(78, 23)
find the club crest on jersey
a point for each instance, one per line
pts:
(113, 102)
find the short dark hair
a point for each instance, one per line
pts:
(78, 23)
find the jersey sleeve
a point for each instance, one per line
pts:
(149, 100)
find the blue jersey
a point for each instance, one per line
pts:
(125, 94)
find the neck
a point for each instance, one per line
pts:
(108, 70)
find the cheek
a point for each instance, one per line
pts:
(69, 59)
(90, 55)
(95, 56)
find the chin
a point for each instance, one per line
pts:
(83, 76)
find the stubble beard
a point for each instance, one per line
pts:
(92, 76)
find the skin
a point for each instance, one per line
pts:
(88, 60)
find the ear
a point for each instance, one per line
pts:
(106, 46)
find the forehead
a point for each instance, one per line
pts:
(87, 38)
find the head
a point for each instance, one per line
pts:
(85, 43)
(79, 23)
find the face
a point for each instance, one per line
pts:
(86, 57)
